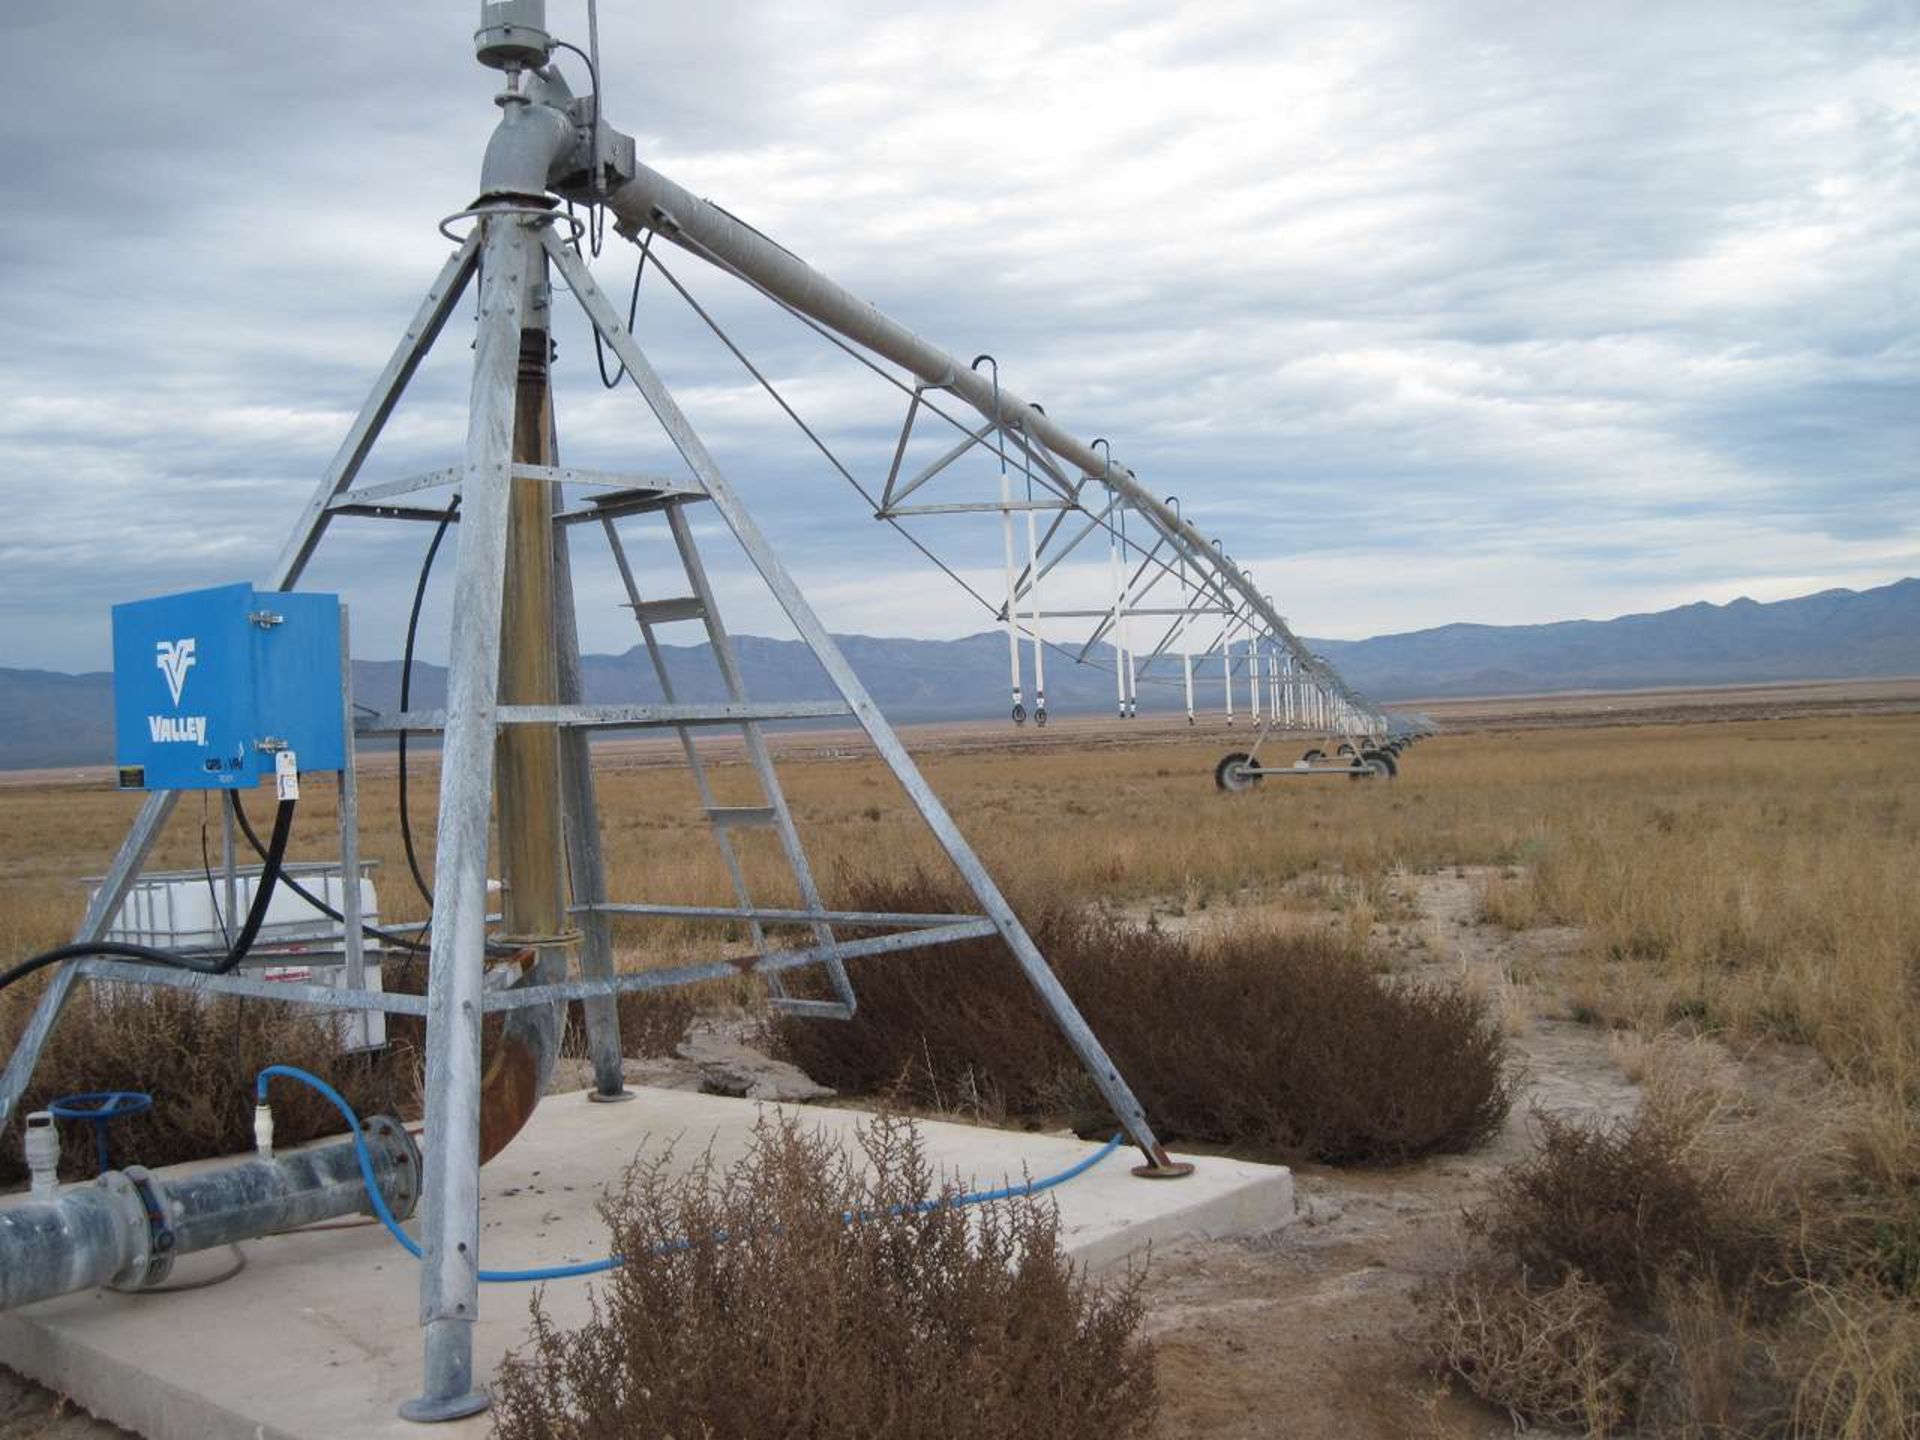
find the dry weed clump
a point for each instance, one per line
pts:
(198, 1058)
(652, 1023)
(749, 1307)
(1282, 1046)
(1627, 1208)
(1732, 1258)
(1543, 1350)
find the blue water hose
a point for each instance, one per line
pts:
(613, 1262)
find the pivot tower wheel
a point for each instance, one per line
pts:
(1236, 772)
(1374, 765)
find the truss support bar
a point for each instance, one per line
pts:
(774, 916)
(773, 962)
(894, 512)
(347, 460)
(615, 717)
(1132, 610)
(605, 479)
(650, 201)
(320, 997)
(388, 489)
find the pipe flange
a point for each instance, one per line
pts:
(142, 1200)
(388, 1139)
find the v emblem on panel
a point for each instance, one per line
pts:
(175, 658)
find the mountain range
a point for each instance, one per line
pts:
(48, 718)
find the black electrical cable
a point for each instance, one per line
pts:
(596, 216)
(406, 692)
(206, 865)
(372, 932)
(114, 949)
(633, 311)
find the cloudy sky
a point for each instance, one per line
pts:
(1495, 312)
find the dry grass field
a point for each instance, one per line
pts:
(1713, 924)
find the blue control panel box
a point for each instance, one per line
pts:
(209, 685)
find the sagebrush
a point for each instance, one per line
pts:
(1281, 1046)
(1692, 1271)
(749, 1306)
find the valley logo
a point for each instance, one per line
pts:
(174, 658)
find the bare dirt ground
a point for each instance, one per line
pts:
(32, 1412)
(1312, 1331)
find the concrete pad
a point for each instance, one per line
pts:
(318, 1338)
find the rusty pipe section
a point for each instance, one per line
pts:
(127, 1227)
(527, 757)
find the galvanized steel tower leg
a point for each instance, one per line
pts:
(449, 1277)
(994, 905)
(586, 865)
(101, 909)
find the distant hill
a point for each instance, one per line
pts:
(48, 718)
(1834, 635)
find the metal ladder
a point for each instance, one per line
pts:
(773, 814)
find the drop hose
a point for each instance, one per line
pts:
(276, 853)
(613, 1262)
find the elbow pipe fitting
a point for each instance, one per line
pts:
(534, 134)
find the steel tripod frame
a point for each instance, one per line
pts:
(449, 1281)
(509, 251)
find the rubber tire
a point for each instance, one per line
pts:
(1345, 749)
(1370, 767)
(1382, 757)
(1313, 755)
(1229, 776)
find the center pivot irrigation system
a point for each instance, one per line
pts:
(218, 688)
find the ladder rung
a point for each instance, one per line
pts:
(392, 512)
(665, 612)
(739, 816)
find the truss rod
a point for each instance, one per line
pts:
(651, 201)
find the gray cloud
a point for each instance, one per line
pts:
(1491, 311)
